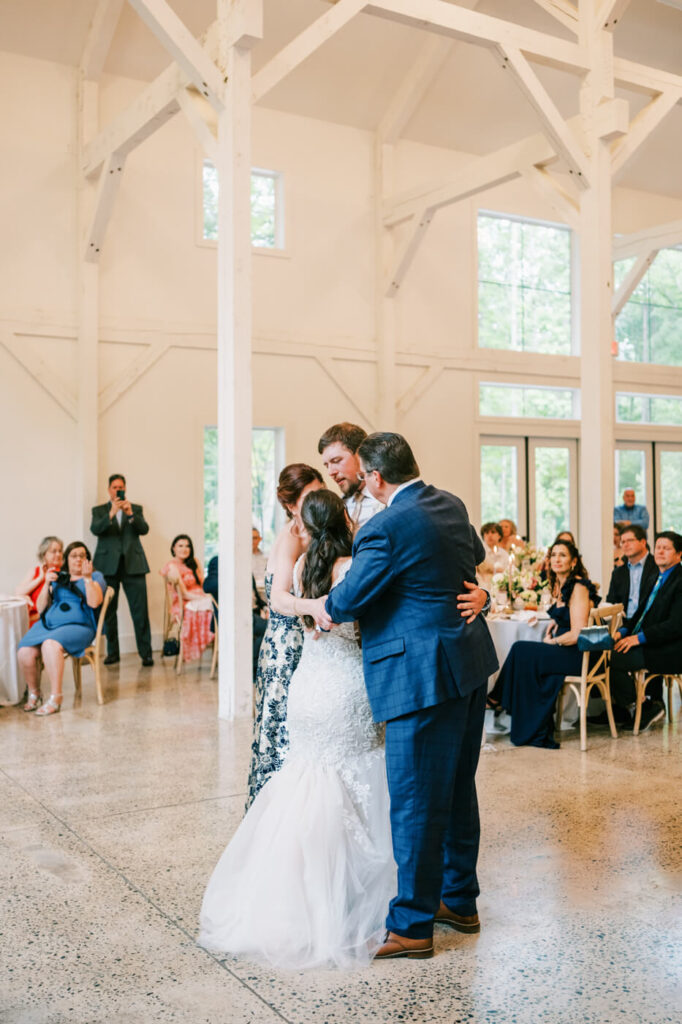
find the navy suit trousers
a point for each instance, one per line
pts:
(431, 760)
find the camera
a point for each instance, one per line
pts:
(120, 495)
(63, 578)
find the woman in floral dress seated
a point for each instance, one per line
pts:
(533, 673)
(197, 620)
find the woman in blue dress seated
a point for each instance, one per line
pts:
(533, 673)
(68, 622)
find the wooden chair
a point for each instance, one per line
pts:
(595, 675)
(179, 661)
(642, 680)
(94, 653)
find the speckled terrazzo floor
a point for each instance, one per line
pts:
(111, 819)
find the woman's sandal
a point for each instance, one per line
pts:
(33, 701)
(51, 706)
(492, 705)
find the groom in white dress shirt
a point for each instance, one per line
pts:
(338, 447)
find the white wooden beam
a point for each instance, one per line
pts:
(131, 374)
(555, 127)
(235, 415)
(202, 130)
(611, 119)
(101, 32)
(643, 78)
(419, 388)
(155, 105)
(107, 190)
(413, 88)
(186, 51)
(610, 12)
(563, 204)
(456, 22)
(305, 44)
(329, 368)
(484, 172)
(563, 11)
(240, 23)
(42, 372)
(642, 126)
(661, 236)
(631, 280)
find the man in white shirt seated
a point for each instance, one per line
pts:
(338, 447)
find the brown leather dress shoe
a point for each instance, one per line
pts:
(396, 946)
(461, 924)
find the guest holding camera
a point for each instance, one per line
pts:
(68, 623)
(196, 612)
(119, 555)
(50, 556)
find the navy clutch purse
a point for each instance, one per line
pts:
(595, 638)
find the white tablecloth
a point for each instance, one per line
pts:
(506, 632)
(13, 625)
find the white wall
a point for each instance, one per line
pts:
(313, 311)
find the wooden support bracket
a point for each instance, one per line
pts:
(100, 34)
(202, 130)
(562, 202)
(554, 125)
(107, 190)
(610, 12)
(631, 280)
(41, 372)
(563, 11)
(642, 127)
(419, 388)
(329, 366)
(131, 374)
(186, 51)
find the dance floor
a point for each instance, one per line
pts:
(112, 818)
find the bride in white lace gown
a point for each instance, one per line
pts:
(308, 876)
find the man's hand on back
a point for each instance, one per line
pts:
(472, 604)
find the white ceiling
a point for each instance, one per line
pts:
(470, 106)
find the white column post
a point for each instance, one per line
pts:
(88, 321)
(385, 306)
(596, 297)
(240, 25)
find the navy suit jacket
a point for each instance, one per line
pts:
(409, 564)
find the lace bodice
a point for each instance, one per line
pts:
(330, 721)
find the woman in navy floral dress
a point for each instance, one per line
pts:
(283, 641)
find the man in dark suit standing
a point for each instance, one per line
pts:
(118, 526)
(652, 638)
(427, 659)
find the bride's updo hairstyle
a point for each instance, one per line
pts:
(324, 517)
(292, 480)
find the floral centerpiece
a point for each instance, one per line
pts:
(521, 579)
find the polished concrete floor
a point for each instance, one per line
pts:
(111, 820)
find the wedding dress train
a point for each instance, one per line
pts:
(308, 876)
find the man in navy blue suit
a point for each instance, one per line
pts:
(427, 658)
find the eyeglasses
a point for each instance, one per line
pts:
(361, 477)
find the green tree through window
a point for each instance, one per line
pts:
(532, 402)
(264, 473)
(265, 213)
(648, 327)
(524, 286)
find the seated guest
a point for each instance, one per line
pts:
(510, 534)
(632, 581)
(258, 605)
(68, 622)
(533, 673)
(197, 611)
(258, 560)
(490, 556)
(50, 556)
(652, 637)
(618, 553)
(630, 513)
(564, 535)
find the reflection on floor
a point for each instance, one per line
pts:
(111, 819)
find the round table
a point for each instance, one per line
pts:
(13, 625)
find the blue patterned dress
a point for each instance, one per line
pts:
(279, 656)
